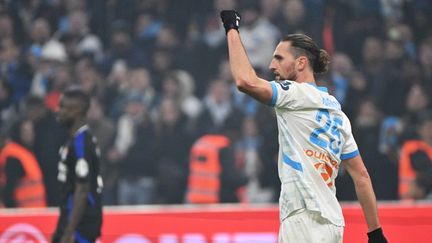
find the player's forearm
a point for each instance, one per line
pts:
(79, 205)
(367, 199)
(241, 68)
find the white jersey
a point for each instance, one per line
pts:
(314, 137)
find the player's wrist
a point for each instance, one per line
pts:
(376, 236)
(231, 30)
(230, 27)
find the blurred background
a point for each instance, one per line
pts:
(159, 79)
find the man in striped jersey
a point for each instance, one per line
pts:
(78, 173)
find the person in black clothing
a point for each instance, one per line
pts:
(232, 177)
(49, 136)
(81, 184)
(173, 143)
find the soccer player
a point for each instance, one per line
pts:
(78, 173)
(314, 138)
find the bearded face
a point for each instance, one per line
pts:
(283, 63)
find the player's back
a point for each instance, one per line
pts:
(314, 137)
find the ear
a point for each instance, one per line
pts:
(302, 63)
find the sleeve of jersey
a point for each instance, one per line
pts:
(284, 94)
(349, 149)
(82, 167)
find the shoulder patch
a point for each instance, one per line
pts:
(82, 168)
(284, 84)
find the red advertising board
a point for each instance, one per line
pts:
(216, 224)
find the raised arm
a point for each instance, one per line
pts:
(244, 75)
(366, 197)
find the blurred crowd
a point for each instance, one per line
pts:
(159, 78)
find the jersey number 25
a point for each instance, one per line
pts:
(333, 141)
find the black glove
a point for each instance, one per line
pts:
(230, 19)
(376, 236)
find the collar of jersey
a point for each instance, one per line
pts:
(320, 88)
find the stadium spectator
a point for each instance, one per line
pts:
(120, 49)
(416, 105)
(218, 110)
(425, 56)
(214, 175)
(22, 179)
(421, 188)
(40, 33)
(358, 89)
(7, 110)
(249, 144)
(179, 86)
(49, 136)
(103, 129)
(259, 34)
(134, 150)
(52, 56)
(173, 142)
(14, 69)
(415, 157)
(340, 74)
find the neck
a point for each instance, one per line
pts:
(306, 77)
(77, 125)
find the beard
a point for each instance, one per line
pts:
(292, 77)
(291, 74)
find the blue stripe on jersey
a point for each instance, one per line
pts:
(349, 155)
(91, 199)
(275, 93)
(79, 238)
(79, 145)
(69, 205)
(320, 88)
(295, 165)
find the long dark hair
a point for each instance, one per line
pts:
(304, 45)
